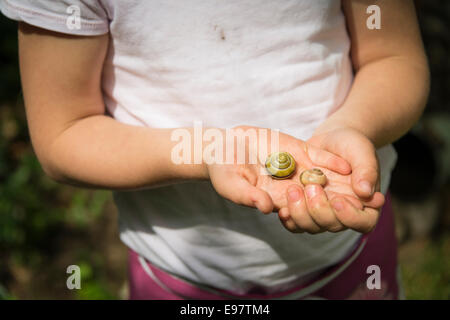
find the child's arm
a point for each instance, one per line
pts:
(390, 89)
(73, 138)
(387, 97)
(392, 77)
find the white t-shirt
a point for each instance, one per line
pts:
(274, 64)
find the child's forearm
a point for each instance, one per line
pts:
(99, 151)
(73, 139)
(387, 98)
(391, 72)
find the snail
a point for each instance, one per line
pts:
(281, 165)
(313, 176)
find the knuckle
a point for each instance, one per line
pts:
(316, 231)
(366, 226)
(316, 206)
(290, 226)
(336, 228)
(371, 169)
(306, 225)
(367, 229)
(323, 217)
(300, 222)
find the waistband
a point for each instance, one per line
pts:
(166, 280)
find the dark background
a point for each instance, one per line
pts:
(45, 227)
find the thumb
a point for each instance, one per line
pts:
(359, 152)
(365, 170)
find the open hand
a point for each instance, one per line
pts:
(323, 209)
(250, 185)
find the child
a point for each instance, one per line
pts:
(106, 83)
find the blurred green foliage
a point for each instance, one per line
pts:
(429, 277)
(37, 215)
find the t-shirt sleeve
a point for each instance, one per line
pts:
(78, 17)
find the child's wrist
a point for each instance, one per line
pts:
(334, 123)
(343, 124)
(369, 129)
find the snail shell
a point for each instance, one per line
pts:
(313, 176)
(281, 165)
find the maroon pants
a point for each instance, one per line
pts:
(369, 272)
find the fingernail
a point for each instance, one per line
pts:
(338, 205)
(311, 191)
(293, 195)
(366, 187)
(284, 214)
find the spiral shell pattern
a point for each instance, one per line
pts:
(313, 176)
(280, 165)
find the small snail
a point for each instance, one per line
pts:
(313, 176)
(281, 165)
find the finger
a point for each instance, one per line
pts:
(375, 202)
(360, 220)
(353, 200)
(261, 199)
(328, 160)
(291, 226)
(242, 192)
(320, 209)
(304, 155)
(361, 155)
(283, 214)
(364, 170)
(298, 210)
